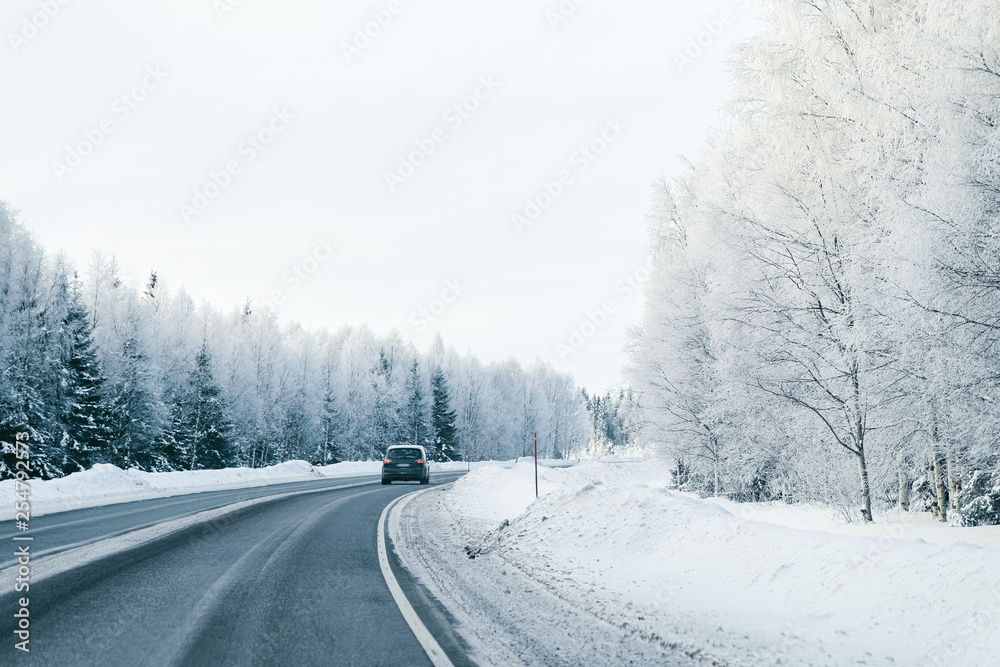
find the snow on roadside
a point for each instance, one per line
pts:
(105, 484)
(669, 567)
(896, 525)
(501, 617)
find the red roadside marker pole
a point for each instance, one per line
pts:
(536, 464)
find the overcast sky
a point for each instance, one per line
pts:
(275, 151)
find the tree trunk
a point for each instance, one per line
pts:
(904, 485)
(866, 492)
(952, 484)
(715, 461)
(859, 450)
(940, 491)
(194, 443)
(933, 484)
(937, 469)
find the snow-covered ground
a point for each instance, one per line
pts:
(106, 484)
(708, 580)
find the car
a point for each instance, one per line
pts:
(406, 462)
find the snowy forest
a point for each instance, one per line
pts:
(98, 370)
(823, 320)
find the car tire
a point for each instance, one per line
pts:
(426, 479)
(386, 481)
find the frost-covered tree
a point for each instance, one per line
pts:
(445, 446)
(613, 425)
(673, 360)
(32, 391)
(200, 436)
(825, 278)
(86, 420)
(141, 376)
(415, 416)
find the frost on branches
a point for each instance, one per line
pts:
(96, 370)
(824, 313)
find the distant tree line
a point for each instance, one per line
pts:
(100, 371)
(614, 425)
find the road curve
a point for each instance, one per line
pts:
(65, 530)
(296, 581)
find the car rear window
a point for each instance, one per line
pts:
(395, 454)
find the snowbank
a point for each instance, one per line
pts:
(105, 484)
(749, 584)
(897, 525)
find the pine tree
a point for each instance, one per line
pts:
(327, 452)
(151, 287)
(29, 361)
(132, 414)
(86, 419)
(105, 371)
(416, 408)
(443, 421)
(202, 429)
(385, 419)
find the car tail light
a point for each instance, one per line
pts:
(387, 462)
(420, 461)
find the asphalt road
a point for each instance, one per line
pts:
(295, 581)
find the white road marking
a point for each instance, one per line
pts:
(420, 631)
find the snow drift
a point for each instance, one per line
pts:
(105, 484)
(674, 568)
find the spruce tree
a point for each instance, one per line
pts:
(385, 418)
(443, 421)
(416, 411)
(133, 413)
(30, 371)
(202, 427)
(85, 421)
(327, 451)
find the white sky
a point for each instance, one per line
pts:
(323, 176)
